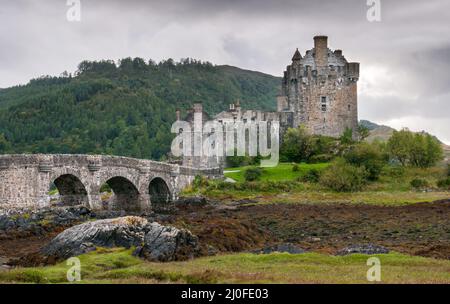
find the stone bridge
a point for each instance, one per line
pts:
(136, 184)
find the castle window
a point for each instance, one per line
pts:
(323, 101)
(349, 107)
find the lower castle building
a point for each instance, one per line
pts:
(318, 91)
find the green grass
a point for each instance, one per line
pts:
(280, 185)
(282, 172)
(119, 266)
(386, 198)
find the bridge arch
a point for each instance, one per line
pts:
(160, 192)
(72, 190)
(125, 194)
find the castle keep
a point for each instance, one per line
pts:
(320, 90)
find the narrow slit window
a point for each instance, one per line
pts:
(323, 103)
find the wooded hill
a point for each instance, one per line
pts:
(123, 108)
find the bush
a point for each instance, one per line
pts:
(395, 171)
(299, 145)
(448, 170)
(295, 168)
(320, 158)
(368, 156)
(199, 181)
(239, 161)
(252, 174)
(444, 183)
(311, 176)
(415, 149)
(261, 186)
(419, 183)
(343, 177)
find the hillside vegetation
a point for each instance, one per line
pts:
(122, 109)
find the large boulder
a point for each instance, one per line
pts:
(119, 232)
(166, 243)
(153, 241)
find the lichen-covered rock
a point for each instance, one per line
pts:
(152, 240)
(193, 201)
(166, 243)
(37, 222)
(363, 249)
(282, 247)
(119, 232)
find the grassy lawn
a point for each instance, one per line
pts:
(390, 189)
(282, 172)
(119, 266)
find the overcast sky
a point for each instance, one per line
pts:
(405, 58)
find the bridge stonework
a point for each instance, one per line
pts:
(25, 180)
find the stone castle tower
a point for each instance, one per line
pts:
(320, 89)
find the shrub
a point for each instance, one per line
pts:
(297, 144)
(419, 183)
(448, 170)
(199, 181)
(311, 176)
(343, 177)
(295, 168)
(105, 188)
(262, 186)
(395, 171)
(367, 156)
(239, 161)
(444, 183)
(252, 174)
(320, 158)
(415, 149)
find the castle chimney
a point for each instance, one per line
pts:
(321, 50)
(177, 113)
(198, 108)
(238, 104)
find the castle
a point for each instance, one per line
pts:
(318, 91)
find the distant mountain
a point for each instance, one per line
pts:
(383, 133)
(123, 109)
(368, 124)
(377, 132)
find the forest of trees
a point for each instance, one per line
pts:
(124, 108)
